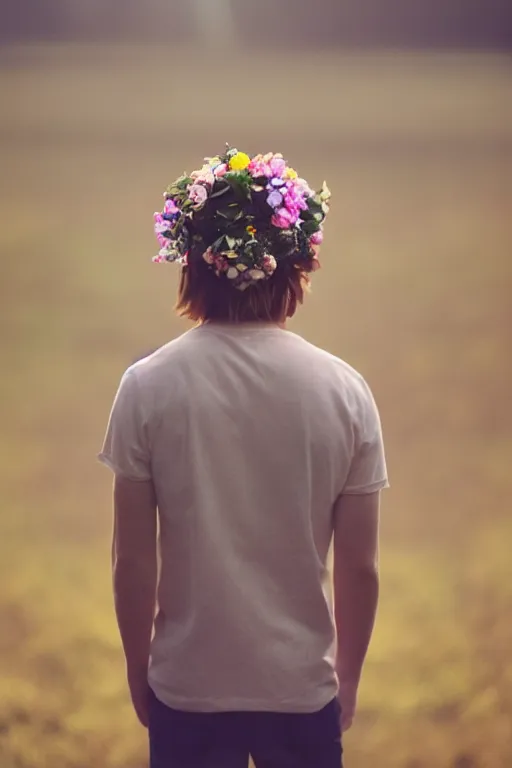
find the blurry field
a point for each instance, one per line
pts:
(416, 292)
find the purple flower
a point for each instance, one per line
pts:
(275, 182)
(198, 194)
(170, 207)
(275, 199)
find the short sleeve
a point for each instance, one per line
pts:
(368, 472)
(125, 449)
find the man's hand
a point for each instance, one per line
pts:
(135, 578)
(347, 697)
(356, 588)
(139, 690)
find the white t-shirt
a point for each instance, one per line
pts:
(250, 434)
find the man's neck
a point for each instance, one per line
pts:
(257, 324)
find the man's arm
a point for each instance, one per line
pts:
(356, 589)
(134, 567)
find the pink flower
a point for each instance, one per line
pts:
(269, 263)
(316, 238)
(198, 194)
(208, 256)
(283, 218)
(293, 205)
(277, 166)
(294, 213)
(207, 177)
(221, 170)
(163, 241)
(203, 176)
(221, 263)
(294, 199)
(260, 166)
(304, 187)
(171, 207)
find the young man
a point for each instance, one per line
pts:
(254, 450)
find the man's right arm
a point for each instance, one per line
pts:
(356, 589)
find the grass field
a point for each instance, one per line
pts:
(416, 291)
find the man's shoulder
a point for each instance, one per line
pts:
(154, 362)
(323, 360)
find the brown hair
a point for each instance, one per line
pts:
(204, 296)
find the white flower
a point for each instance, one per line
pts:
(325, 194)
(162, 226)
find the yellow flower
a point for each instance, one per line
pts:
(251, 230)
(290, 173)
(239, 162)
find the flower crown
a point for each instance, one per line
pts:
(255, 203)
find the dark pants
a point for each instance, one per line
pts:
(225, 739)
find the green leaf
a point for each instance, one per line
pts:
(233, 212)
(314, 205)
(309, 227)
(240, 182)
(221, 191)
(218, 245)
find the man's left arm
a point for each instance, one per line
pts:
(134, 567)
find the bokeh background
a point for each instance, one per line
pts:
(406, 109)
